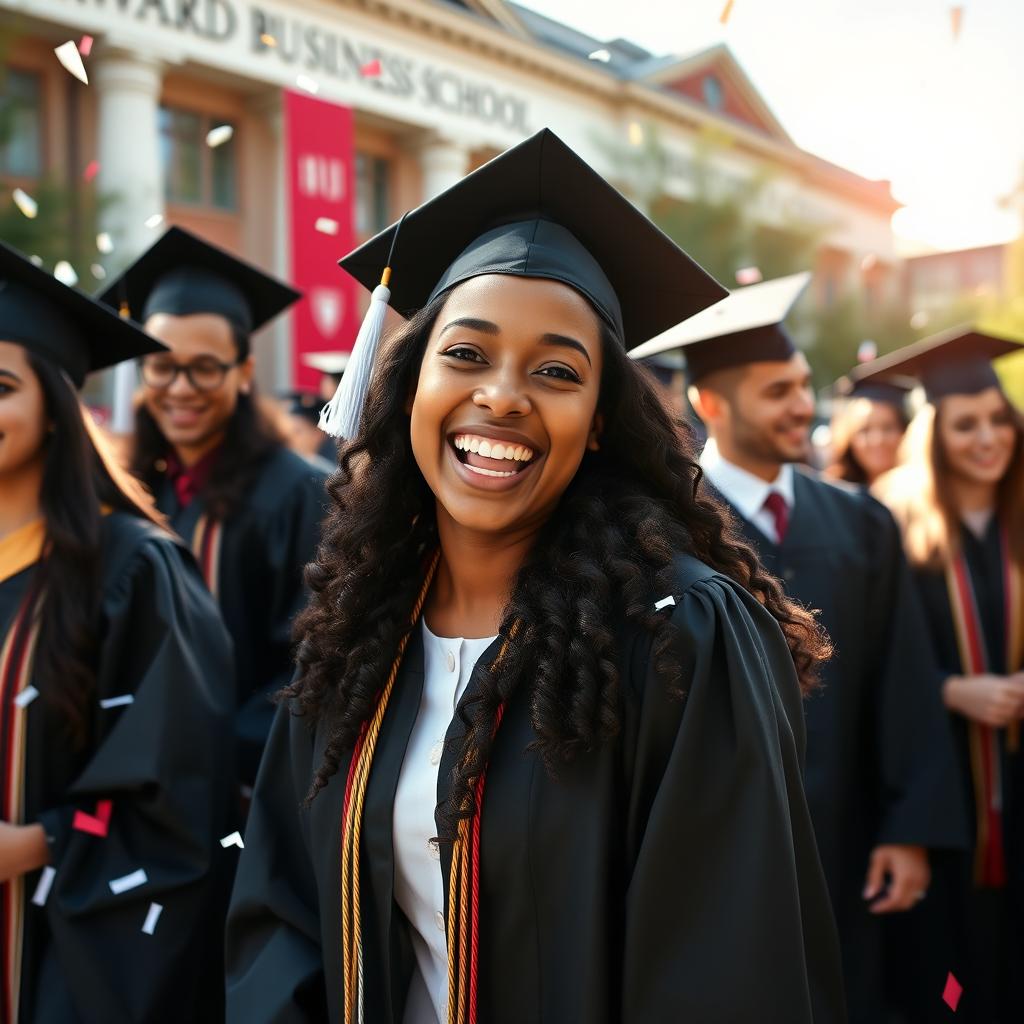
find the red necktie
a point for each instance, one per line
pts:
(775, 505)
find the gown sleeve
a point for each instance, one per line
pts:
(920, 781)
(727, 914)
(163, 762)
(291, 537)
(275, 969)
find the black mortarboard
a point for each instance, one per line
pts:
(67, 327)
(956, 362)
(888, 392)
(303, 404)
(746, 327)
(182, 274)
(537, 210)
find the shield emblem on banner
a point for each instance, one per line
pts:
(327, 306)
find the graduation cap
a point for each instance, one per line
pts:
(955, 362)
(65, 326)
(887, 392)
(745, 327)
(182, 274)
(303, 404)
(537, 210)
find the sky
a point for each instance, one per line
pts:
(878, 86)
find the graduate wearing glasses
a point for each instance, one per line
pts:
(248, 507)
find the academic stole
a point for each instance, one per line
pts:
(463, 921)
(984, 741)
(16, 657)
(206, 542)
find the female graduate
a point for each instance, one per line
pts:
(524, 617)
(959, 497)
(114, 699)
(868, 423)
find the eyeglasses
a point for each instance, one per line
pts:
(204, 373)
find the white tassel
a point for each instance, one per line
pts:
(340, 417)
(122, 409)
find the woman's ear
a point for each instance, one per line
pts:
(596, 428)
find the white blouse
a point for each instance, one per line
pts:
(448, 664)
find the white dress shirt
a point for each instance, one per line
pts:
(745, 491)
(448, 664)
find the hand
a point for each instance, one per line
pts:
(23, 848)
(908, 874)
(995, 701)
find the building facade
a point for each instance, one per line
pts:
(435, 87)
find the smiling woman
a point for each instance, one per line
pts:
(525, 614)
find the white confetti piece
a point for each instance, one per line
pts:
(26, 696)
(65, 273)
(600, 55)
(24, 202)
(235, 839)
(635, 133)
(307, 83)
(105, 243)
(155, 910)
(326, 226)
(155, 221)
(218, 136)
(126, 882)
(71, 60)
(44, 885)
(98, 272)
(665, 602)
(36, 261)
(117, 702)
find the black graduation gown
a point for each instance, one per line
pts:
(165, 763)
(264, 548)
(977, 934)
(669, 876)
(880, 763)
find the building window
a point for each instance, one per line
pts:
(714, 94)
(21, 150)
(194, 173)
(373, 198)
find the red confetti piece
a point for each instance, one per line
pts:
(371, 69)
(92, 168)
(952, 992)
(85, 46)
(97, 824)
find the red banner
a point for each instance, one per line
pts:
(320, 161)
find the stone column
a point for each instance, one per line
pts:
(443, 163)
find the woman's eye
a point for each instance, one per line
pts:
(561, 373)
(465, 354)
(6, 389)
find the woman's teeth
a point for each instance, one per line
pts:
(491, 449)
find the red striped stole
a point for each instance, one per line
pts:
(985, 743)
(16, 658)
(206, 542)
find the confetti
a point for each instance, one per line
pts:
(65, 273)
(36, 261)
(126, 882)
(44, 885)
(155, 221)
(268, 40)
(723, 18)
(71, 60)
(749, 275)
(26, 697)
(635, 133)
(920, 320)
(866, 351)
(117, 702)
(24, 202)
(600, 55)
(326, 226)
(235, 839)
(155, 910)
(218, 136)
(98, 272)
(307, 83)
(956, 17)
(665, 602)
(952, 992)
(371, 69)
(105, 243)
(92, 168)
(97, 824)
(85, 45)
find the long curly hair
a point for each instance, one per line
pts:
(630, 508)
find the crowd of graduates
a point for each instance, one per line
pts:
(528, 698)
